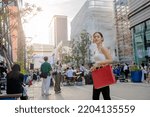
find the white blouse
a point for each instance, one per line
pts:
(96, 55)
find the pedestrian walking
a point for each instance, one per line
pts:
(38, 75)
(46, 69)
(126, 71)
(57, 77)
(82, 70)
(143, 67)
(148, 76)
(101, 57)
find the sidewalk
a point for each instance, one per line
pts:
(67, 92)
(119, 91)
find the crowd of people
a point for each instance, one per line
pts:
(123, 71)
(56, 76)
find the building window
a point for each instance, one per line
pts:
(148, 25)
(139, 28)
(148, 36)
(138, 39)
(147, 33)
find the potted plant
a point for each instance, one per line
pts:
(136, 73)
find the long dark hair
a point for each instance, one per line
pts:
(99, 34)
(15, 71)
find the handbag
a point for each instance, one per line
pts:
(24, 92)
(43, 75)
(103, 77)
(54, 73)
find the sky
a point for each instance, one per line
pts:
(37, 26)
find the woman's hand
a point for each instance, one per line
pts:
(93, 68)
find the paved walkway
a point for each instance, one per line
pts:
(67, 92)
(119, 91)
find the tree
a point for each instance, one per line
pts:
(80, 47)
(17, 16)
(26, 14)
(29, 52)
(75, 52)
(67, 59)
(84, 45)
(7, 11)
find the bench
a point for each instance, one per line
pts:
(10, 96)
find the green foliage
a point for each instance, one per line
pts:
(134, 68)
(23, 71)
(67, 59)
(80, 48)
(18, 16)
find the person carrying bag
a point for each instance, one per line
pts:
(103, 77)
(100, 75)
(46, 75)
(43, 75)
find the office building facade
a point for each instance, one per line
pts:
(139, 16)
(123, 35)
(94, 16)
(58, 30)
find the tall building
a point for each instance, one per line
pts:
(139, 16)
(96, 15)
(58, 30)
(123, 35)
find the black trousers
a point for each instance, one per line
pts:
(105, 92)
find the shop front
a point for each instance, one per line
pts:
(141, 42)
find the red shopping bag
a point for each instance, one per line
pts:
(103, 77)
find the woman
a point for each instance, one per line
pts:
(14, 80)
(57, 77)
(101, 57)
